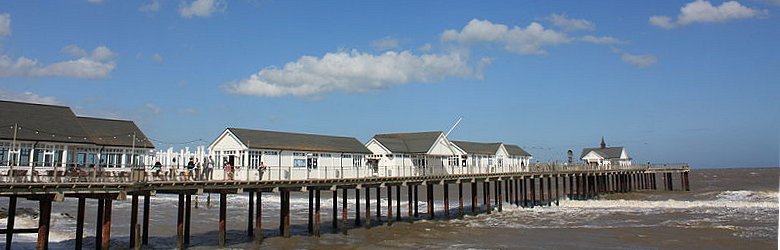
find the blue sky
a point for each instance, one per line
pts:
(673, 81)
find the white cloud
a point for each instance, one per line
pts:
(28, 97)
(529, 40)
(601, 40)
(152, 108)
(154, 6)
(701, 11)
(641, 61)
(98, 64)
(385, 43)
(351, 72)
(425, 47)
(570, 24)
(202, 8)
(5, 25)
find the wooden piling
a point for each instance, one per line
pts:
(187, 217)
(549, 190)
(317, 211)
(389, 205)
(532, 185)
(500, 197)
(105, 242)
(285, 213)
(687, 182)
(180, 223)
(133, 219)
(379, 205)
(488, 200)
(310, 213)
(430, 199)
(517, 192)
(416, 202)
(44, 220)
(398, 203)
(446, 190)
(79, 221)
(474, 198)
(259, 216)
(557, 194)
(344, 212)
(9, 237)
(358, 221)
(99, 222)
(541, 191)
(250, 223)
(335, 213)
(524, 192)
(145, 226)
(409, 198)
(368, 208)
(460, 199)
(222, 227)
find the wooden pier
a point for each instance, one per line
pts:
(498, 190)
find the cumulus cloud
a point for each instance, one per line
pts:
(601, 40)
(97, 64)
(641, 61)
(570, 24)
(701, 11)
(530, 40)
(351, 71)
(5, 25)
(28, 97)
(202, 8)
(385, 43)
(154, 6)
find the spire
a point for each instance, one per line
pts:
(603, 144)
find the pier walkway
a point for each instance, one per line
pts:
(488, 192)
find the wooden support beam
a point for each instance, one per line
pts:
(105, 243)
(187, 218)
(368, 208)
(344, 214)
(500, 197)
(9, 236)
(145, 226)
(44, 220)
(474, 198)
(398, 203)
(389, 205)
(250, 220)
(460, 199)
(557, 194)
(532, 186)
(133, 219)
(549, 190)
(430, 199)
(524, 192)
(79, 221)
(222, 227)
(335, 213)
(259, 217)
(446, 190)
(99, 222)
(416, 201)
(488, 199)
(180, 223)
(409, 198)
(379, 205)
(310, 225)
(317, 212)
(357, 208)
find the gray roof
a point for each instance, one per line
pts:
(515, 150)
(478, 147)
(410, 143)
(260, 139)
(108, 132)
(607, 152)
(39, 122)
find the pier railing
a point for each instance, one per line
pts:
(49, 174)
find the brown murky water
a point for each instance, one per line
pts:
(726, 209)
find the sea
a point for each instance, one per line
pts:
(735, 208)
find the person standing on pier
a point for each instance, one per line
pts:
(190, 169)
(208, 168)
(261, 171)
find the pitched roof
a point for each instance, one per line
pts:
(413, 143)
(296, 141)
(108, 132)
(512, 149)
(40, 122)
(606, 152)
(478, 147)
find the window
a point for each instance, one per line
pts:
(270, 153)
(346, 156)
(453, 161)
(299, 154)
(299, 163)
(325, 155)
(357, 161)
(254, 158)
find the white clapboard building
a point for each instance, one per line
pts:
(605, 157)
(481, 157)
(287, 156)
(407, 154)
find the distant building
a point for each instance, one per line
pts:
(417, 153)
(493, 157)
(287, 155)
(605, 157)
(50, 136)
